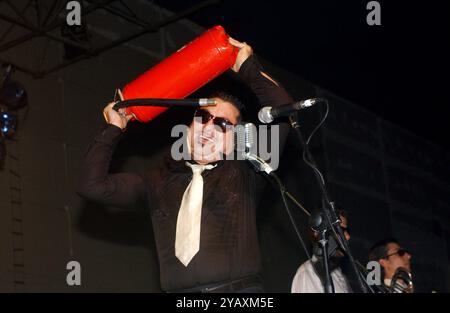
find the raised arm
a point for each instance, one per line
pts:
(124, 190)
(268, 91)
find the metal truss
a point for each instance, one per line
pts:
(43, 18)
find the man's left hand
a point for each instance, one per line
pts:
(245, 51)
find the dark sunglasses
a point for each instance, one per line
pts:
(400, 252)
(205, 117)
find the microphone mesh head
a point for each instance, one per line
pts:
(249, 136)
(245, 137)
(239, 138)
(264, 115)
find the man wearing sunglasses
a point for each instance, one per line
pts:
(203, 210)
(391, 256)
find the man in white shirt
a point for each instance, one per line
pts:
(306, 280)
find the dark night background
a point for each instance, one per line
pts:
(397, 70)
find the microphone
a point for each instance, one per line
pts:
(245, 137)
(164, 102)
(245, 134)
(267, 114)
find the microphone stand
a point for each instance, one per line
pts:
(329, 212)
(316, 219)
(317, 223)
(323, 241)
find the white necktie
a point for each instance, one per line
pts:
(187, 240)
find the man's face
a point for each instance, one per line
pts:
(208, 142)
(395, 260)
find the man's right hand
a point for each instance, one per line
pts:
(118, 118)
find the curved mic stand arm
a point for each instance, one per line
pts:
(261, 166)
(329, 210)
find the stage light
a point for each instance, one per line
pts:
(8, 124)
(12, 94)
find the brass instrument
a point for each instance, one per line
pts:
(401, 282)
